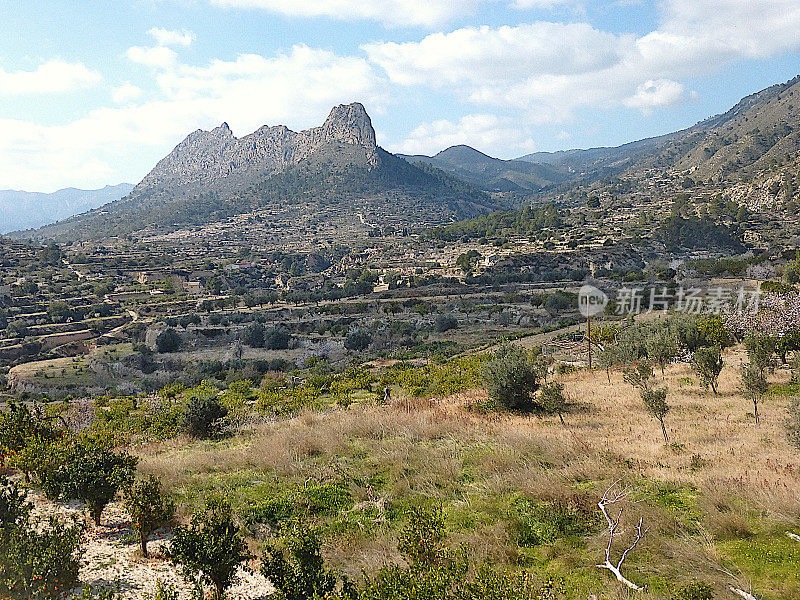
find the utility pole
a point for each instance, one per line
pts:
(589, 339)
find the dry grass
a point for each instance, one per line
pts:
(744, 476)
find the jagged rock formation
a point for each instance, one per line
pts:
(206, 156)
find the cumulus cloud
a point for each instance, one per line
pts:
(52, 77)
(158, 57)
(296, 88)
(125, 93)
(548, 70)
(652, 94)
(485, 132)
(167, 37)
(389, 12)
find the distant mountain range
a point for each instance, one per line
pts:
(29, 210)
(212, 175)
(493, 174)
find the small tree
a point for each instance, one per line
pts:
(655, 401)
(149, 508)
(662, 347)
(254, 335)
(511, 378)
(211, 547)
(302, 575)
(358, 340)
(36, 563)
(168, 341)
(94, 475)
(708, 363)
(552, 399)
(445, 323)
(638, 375)
(204, 416)
(754, 385)
(760, 350)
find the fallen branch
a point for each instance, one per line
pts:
(794, 536)
(742, 593)
(614, 530)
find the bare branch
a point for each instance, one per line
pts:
(794, 536)
(610, 497)
(742, 593)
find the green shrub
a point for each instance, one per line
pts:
(168, 341)
(511, 378)
(534, 523)
(94, 475)
(300, 574)
(211, 548)
(695, 590)
(708, 363)
(37, 561)
(204, 417)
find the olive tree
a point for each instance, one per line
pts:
(754, 385)
(655, 401)
(708, 363)
(511, 378)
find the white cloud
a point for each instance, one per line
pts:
(548, 70)
(125, 93)
(485, 132)
(652, 94)
(389, 12)
(159, 57)
(297, 88)
(486, 56)
(51, 77)
(167, 37)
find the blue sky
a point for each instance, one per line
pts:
(95, 92)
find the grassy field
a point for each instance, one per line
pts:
(522, 491)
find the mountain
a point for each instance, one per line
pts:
(761, 129)
(493, 174)
(213, 175)
(28, 210)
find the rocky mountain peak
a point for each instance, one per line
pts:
(350, 124)
(207, 156)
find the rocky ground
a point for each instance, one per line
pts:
(111, 556)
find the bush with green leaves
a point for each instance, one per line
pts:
(94, 474)
(511, 378)
(168, 341)
(445, 323)
(204, 416)
(694, 590)
(149, 508)
(552, 399)
(358, 340)
(434, 570)
(298, 571)
(38, 561)
(708, 363)
(662, 347)
(211, 548)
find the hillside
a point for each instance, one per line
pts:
(27, 210)
(493, 174)
(212, 175)
(762, 127)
